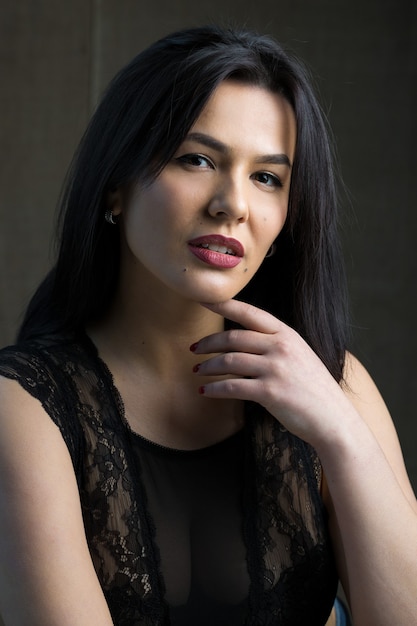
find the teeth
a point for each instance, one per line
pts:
(217, 248)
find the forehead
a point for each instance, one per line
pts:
(248, 115)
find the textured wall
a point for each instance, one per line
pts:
(55, 58)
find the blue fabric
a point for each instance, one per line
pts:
(342, 616)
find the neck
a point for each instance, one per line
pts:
(145, 340)
(154, 330)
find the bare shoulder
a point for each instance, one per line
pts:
(36, 471)
(367, 399)
(26, 433)
(25, 427)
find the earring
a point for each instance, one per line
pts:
(271, 251)
(108, 216)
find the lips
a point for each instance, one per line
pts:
(217, 250)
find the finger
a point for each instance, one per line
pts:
(232, 364)
(246, 315)
(236, 388)
(235, 340)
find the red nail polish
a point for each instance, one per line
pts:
(196, 367)
(193, 347)
(201, 390)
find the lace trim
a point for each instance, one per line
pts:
(290, 563)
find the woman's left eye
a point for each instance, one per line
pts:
(196, 160)
(267, 179)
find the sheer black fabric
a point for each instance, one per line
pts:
(195, 500)
(242, 541)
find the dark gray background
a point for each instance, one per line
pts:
(56, 56)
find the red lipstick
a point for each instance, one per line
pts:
(217, 250)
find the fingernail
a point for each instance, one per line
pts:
(196, 367)
(201, 390)
(193, 347)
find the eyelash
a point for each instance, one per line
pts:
(191, 158)
(272, 177)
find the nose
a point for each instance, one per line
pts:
(230, 201)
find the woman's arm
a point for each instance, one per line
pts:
(46, 574)
(373, 510)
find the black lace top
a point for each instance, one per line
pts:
(231, 534)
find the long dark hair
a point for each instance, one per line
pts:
(143, 117)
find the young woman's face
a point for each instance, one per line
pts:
(204, 226)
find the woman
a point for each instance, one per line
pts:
(201, 473)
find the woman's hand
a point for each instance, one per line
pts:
(268, 362)
(371, 505)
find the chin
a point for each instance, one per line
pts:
(212, 289)
(215, 297)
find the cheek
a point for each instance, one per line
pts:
(272, 224)
(149, 211)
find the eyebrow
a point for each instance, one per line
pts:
(219, 146)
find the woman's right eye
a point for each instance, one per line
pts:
(196, 160)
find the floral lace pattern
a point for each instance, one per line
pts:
(290, 562)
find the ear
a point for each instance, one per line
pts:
(115, 201)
